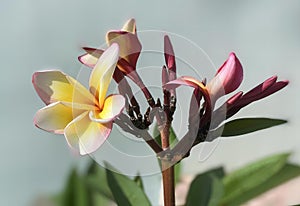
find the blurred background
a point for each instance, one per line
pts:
(38, 35)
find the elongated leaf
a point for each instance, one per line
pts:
(248, 178)
(96, 180)
(248, 125)
(75, 193)
(96, 199)
(98, 190)
(206, 189)
(177, 172)
(138, 180)
(125, 191)
(288, 172)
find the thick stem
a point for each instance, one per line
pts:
(169, 188)
(167, 169)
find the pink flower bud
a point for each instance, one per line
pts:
(170, 57)
(228, 78)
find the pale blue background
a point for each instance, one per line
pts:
(38, 34)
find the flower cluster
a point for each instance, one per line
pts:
(205, 118)
(85, 117)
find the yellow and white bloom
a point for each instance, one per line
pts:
(85, 117)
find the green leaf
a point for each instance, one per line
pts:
(98, 191)
(75, 193)
(138, 180)
(248, 125)
(96, 180)
(248, 178)
(177, 172)
(206, 189)
(125, 191)
(286, 173)
(96, 199)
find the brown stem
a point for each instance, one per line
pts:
(167, 169)
(169, 188)
(134, 76)
(153, 144)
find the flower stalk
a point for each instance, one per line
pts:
(168, 175)
(169, 106)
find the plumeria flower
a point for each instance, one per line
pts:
(85, 117)
(130, 48)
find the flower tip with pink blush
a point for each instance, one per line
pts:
(228, 77)
(286, 82)
(115, 46)
(80, 58)
(235, 98)
(169, 54)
